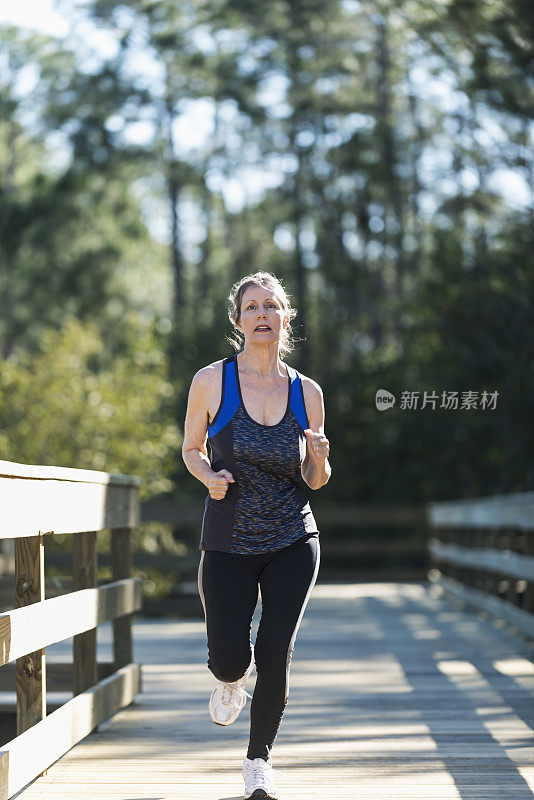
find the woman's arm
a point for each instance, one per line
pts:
(194, 452)
(315, 468)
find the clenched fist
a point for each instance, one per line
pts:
(218, 484)
(318, 446)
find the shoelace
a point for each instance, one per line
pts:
(229, 691)
(258, 771)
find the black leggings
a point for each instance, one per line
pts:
(228, 588)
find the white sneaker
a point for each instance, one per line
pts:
(227, 699)
(259, 779)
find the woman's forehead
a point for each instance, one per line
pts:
(258, 293)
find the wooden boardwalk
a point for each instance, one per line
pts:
(395, 693)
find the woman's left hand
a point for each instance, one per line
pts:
(318, 446)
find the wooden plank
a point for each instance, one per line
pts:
(12, 469)
(501, 562)
(49, 739)
(31, 667)
(29, 506)
(529, 549)
(121, 561)
(508, 510)
(84, 576)
(59, 678)
(25, 629)
(4, 775)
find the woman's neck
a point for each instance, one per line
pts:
(264, 362)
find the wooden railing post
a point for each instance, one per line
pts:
(31, 668)
(84, 573)
(121, 567)
(511, 540)
(492, 540)
(529, 549)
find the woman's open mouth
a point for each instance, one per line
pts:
(262, 328)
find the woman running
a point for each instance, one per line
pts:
(265, 425)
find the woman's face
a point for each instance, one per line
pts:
(261, 307)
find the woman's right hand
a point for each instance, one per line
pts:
(218, 484)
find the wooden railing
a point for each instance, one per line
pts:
(483, 552)
(38, 501)
(356, 535)
(163, 508)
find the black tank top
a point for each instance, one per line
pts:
(267, 507)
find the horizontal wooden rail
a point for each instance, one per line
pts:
(173, 511)
(45, 500)
(499, 511)
(42, 624)
(37, 500)
(501, 562)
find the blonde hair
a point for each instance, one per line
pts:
(268, 281)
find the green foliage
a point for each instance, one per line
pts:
(72, 405)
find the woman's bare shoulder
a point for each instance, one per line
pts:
(210, 372)
(313, 402)
(311, 388)
(209, 379)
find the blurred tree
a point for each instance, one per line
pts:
(65, 233)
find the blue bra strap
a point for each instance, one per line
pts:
(230, 399)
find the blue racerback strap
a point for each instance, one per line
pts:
(297, 399)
